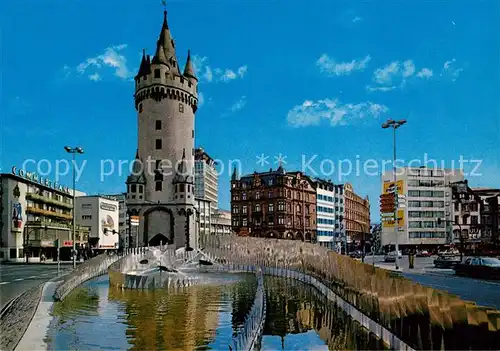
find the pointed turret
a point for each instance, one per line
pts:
(235, 175)
(182, 175)
(165, 48)
(137, 176)
(189, 70)
(145, 67)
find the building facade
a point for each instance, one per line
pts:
(490, 214)
(204, 219)
(327, 234)
(122, 217)
(356, 215)
(466, 218)
(160, 189)
(425, 195)
(36, 217)
(222, 223)
(274, 204)
(101, 215)
(205, 178)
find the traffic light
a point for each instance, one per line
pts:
(387, 203)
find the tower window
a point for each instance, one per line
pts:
(158, 125)
(158, 144)
(157, 73)
(133, 188)
(193, 152)
(140, 189)
(158, 186)
(157, 164)
(182, 188)
(192, 133)
(181, 107)
(140, 107)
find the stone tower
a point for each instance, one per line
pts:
(166, 101)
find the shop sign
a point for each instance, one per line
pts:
(35, 178)
(108, 207)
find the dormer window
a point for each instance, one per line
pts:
(157, 73)
(133, 188)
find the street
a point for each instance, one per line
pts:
(483, 292)
(17, 278)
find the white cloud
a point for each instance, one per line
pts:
(332, 110)
(238, 105)
(425, 73)
(95, 77)
(204, 71)
(110, 58)
(450, 69)
(396, 74)
(408, 68)
(332, 68)
(201, 99)
(356, 19)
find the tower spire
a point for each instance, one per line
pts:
(189, 70)
(165, 49)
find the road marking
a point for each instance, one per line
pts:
(18, 279)
(3, 283)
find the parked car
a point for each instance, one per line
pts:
(356, 254)
(446, 261)
(479, 267)
(391, 256)
(424, 253)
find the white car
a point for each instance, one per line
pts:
(391, 256)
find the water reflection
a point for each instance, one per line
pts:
(300, 318)
(97, 317)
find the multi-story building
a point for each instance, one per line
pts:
(466, 215)
(425, 195)
(101, 214)
(274, 204)
(36, 217)
(122, 217)
(221, 224)
(204, 218)
(160, 188)
(490, 214)
(327, 234)
(205, 178)
(356, 215)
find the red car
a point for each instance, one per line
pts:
(424, 253)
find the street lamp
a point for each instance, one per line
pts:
(395, 125)
(73, 151)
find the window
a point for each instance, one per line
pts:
(270, 181)
(270, 194)
(158, 185)
(140, 107)
(270, 207)
(257, 208)
(257, 195)
(181, 107)
(86, 217)
(281, 206)
(133, 188)
(281, 220)
(140, 189)
(236, 209)
(157, 73)
(473, 220)
(456, 219)
(158, 125)
(192, 133)
(158, 144)
(244, 196)
(244, 210)
(244, 222)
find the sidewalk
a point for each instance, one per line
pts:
(37, 262)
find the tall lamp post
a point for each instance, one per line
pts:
(395, 125)
(73, 151)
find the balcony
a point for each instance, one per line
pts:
(48, 213)
(47, 200)
(43, 224)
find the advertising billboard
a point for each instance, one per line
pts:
(389, 187)
(108, 224)
(388, 222)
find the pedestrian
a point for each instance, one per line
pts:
(411, 259)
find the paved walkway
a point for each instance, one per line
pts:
(482, 292)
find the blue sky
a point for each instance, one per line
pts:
(296, 78)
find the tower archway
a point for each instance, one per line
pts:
(159, 224)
